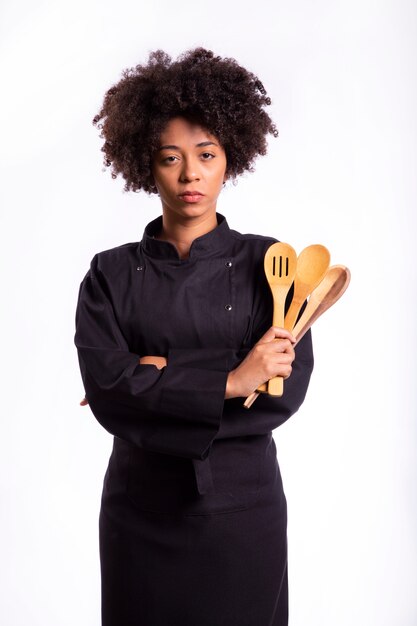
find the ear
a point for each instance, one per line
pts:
(152, 181)
(153, 185)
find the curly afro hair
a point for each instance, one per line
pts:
(220, 95)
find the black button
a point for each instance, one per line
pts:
(228, 307)
(228, 264)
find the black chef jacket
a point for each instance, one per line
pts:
(203, 313)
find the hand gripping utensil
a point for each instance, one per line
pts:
(312, 263)
(327, 293)
(280, 264)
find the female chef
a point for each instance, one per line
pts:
(172, 333)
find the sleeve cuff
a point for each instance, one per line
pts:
(193, 390)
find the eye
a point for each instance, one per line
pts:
(209, 155)
(167, 159)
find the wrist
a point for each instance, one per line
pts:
(230, 390)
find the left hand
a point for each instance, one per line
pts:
(159, 361)
(271, 356)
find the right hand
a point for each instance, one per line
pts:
(271, 356)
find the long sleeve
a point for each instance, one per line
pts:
(176, 410)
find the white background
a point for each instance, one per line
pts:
(341, 75)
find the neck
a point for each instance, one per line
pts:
(182, 231)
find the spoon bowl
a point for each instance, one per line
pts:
(312, 264)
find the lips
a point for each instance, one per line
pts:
(191, 196)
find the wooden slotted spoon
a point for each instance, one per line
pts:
(327, 293)
(312, 264)
(280, 264)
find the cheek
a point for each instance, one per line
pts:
(223, 169)
(162, 180)
(219, 173)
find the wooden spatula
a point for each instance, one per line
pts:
(280, 264)
(312, 264)
(327, 293)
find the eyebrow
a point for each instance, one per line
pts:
(197, 145)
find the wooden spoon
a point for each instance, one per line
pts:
(327, 293)
(280, 264)
(312, 264)
(331, 288)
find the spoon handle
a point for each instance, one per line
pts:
(250, 399)
(292, 313)
(276, 384)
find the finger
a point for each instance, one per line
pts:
(276, 332)
(280, 360)
(158, 361)
(283, 333)
(280, 345)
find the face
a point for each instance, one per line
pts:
(189, 159)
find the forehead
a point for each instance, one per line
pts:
(181, 130)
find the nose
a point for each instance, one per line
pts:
(189, 170)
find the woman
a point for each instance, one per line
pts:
(172, 333)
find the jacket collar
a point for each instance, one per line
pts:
(204, 246)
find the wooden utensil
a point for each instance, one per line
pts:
(312, 263)
(331, 288)
(327, 293)
(280, 264)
